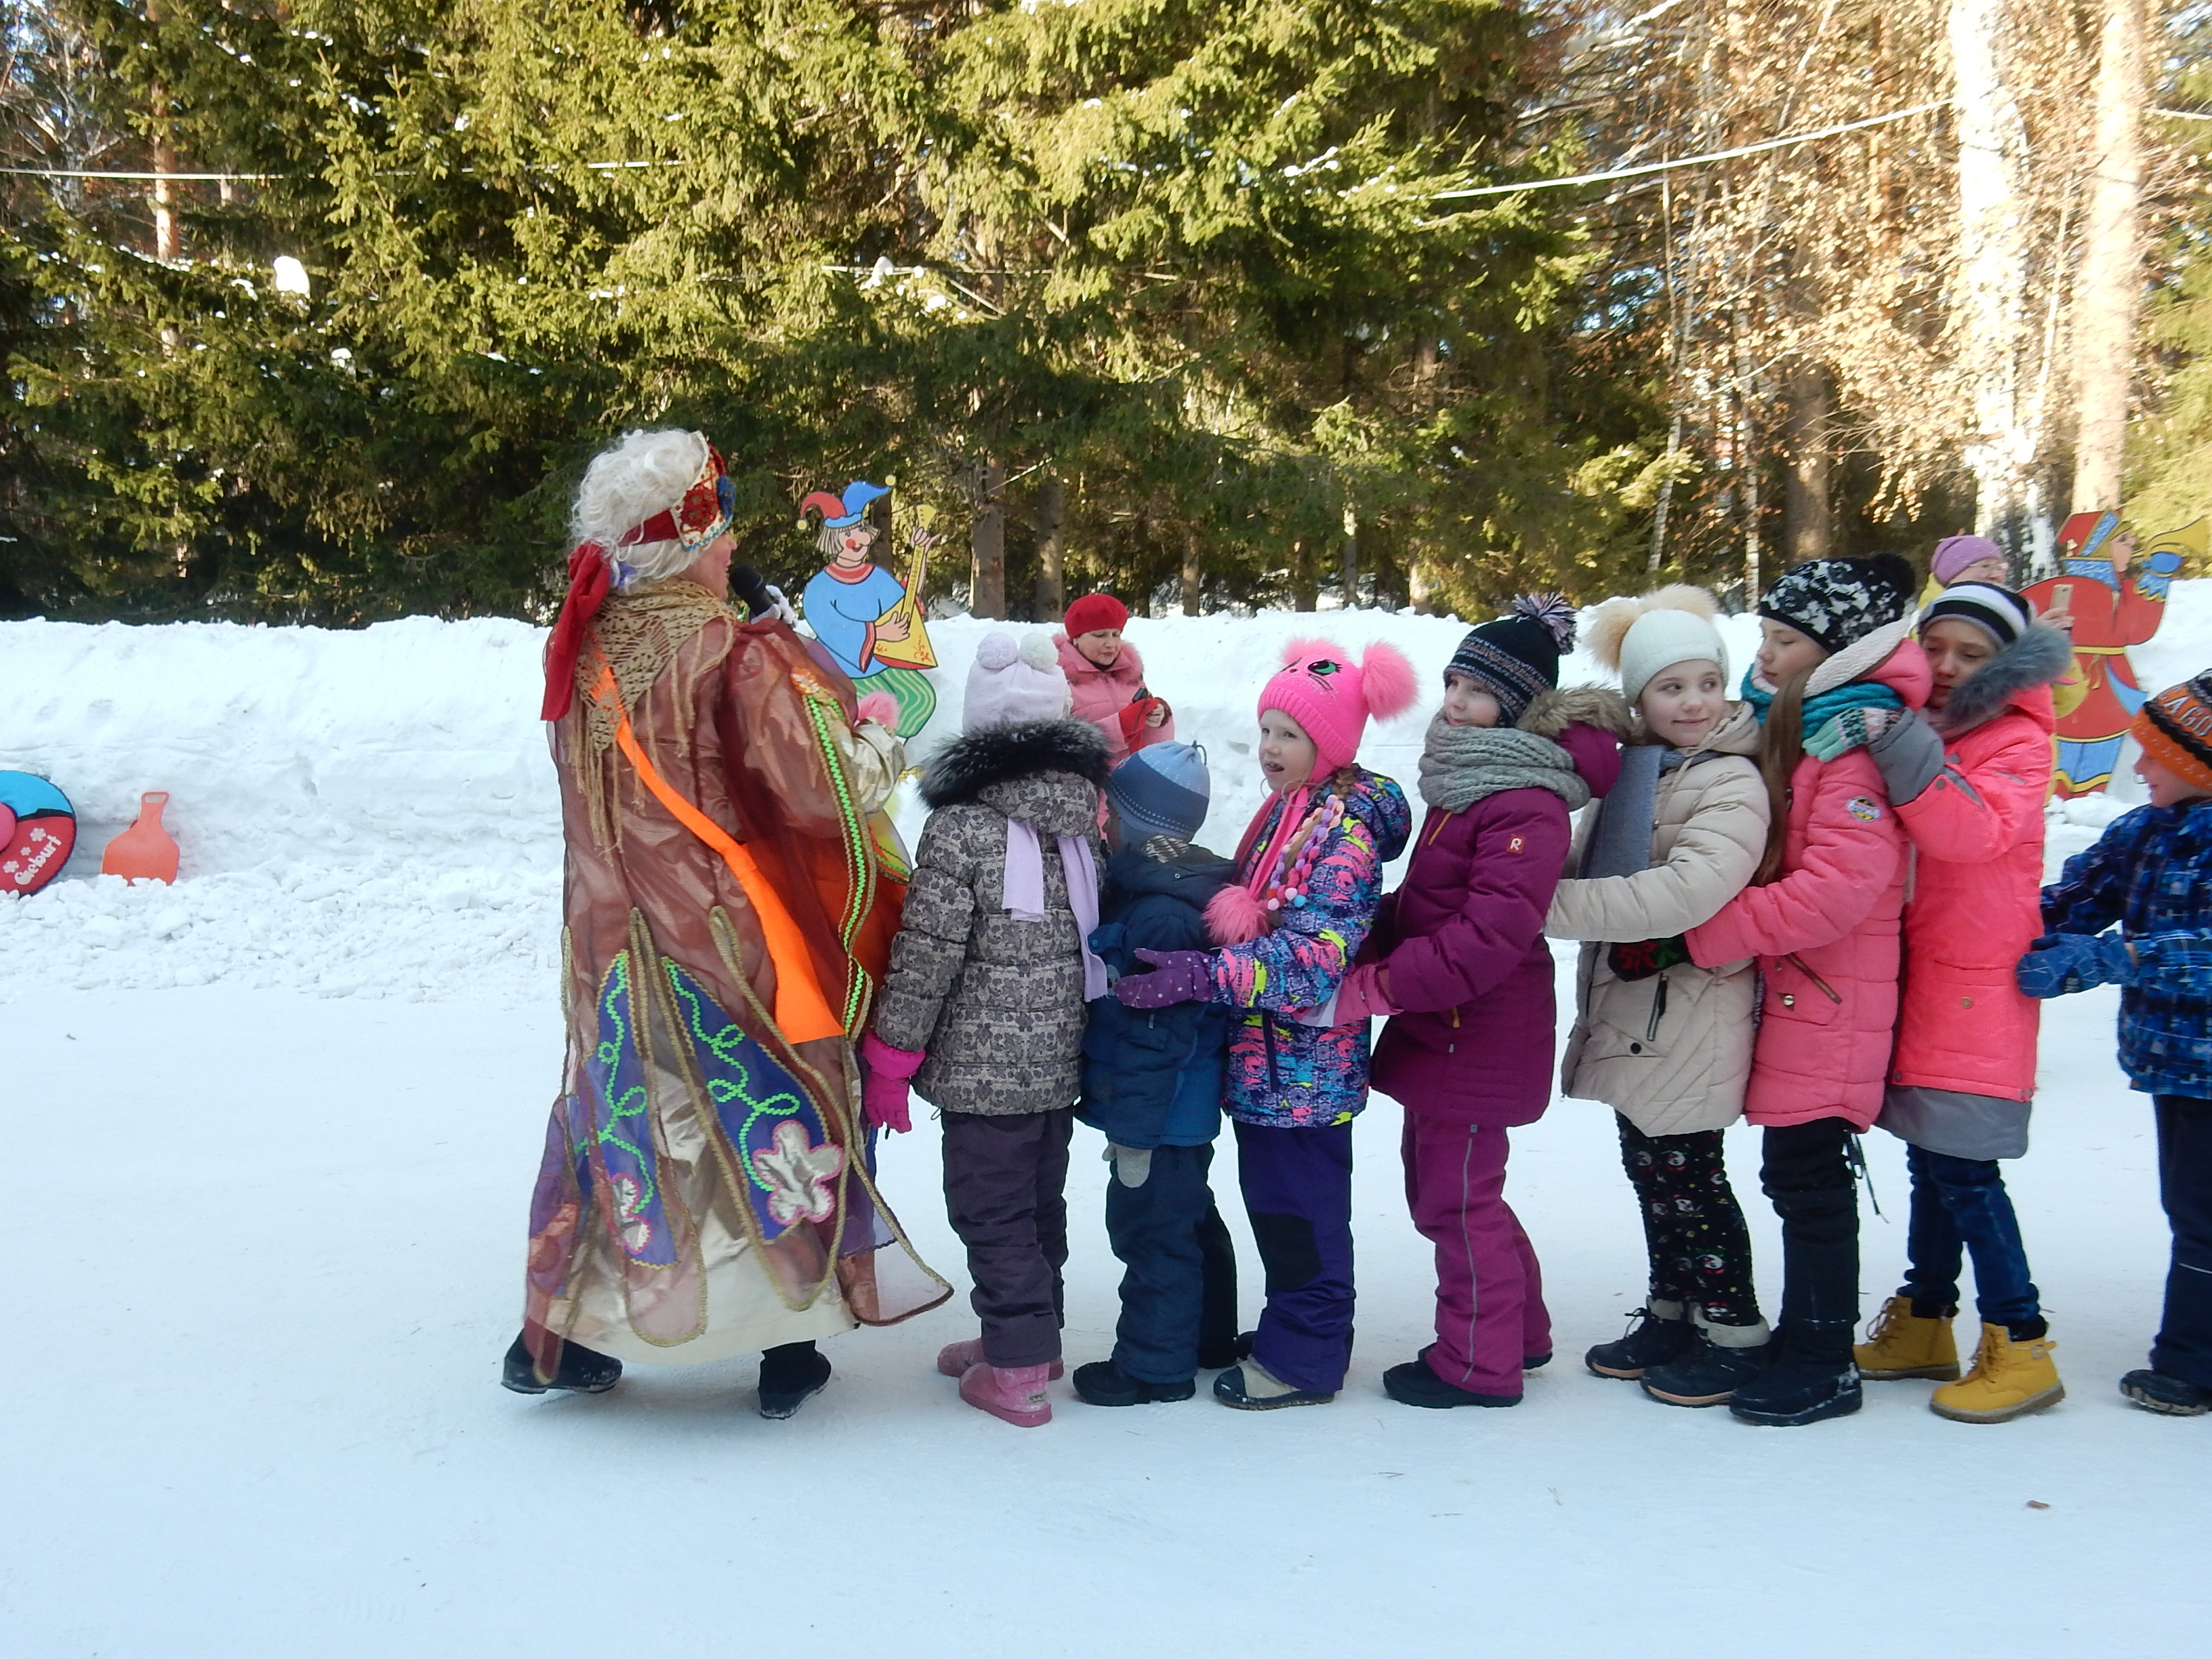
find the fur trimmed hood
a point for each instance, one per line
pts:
(2030, 662)
(1553, 712)
(965, 767)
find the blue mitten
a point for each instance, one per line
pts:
(2059, 964)
(1177, 976)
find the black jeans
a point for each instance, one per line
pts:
(2183, 1348)
(1694, 1228)
(1961, 1209)
(1807, 1173)
(1179, 1291)
(1006, 1180)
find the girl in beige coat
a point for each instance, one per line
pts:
(1664, 1042)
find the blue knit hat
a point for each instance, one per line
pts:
(1163, 789)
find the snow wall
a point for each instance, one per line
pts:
(372, 812)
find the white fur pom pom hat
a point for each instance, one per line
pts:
(1637, 637)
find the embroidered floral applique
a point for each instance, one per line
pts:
(800, 1174)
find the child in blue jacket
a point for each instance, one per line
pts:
(1152, 1081)
(2151, 872)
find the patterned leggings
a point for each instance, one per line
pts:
(1692, 1228)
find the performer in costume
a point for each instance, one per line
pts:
(2114, 601)
(706, 1189)
(854, 606)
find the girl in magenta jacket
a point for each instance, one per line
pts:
(1968, 783)
(1821, 918)
(1462, 967)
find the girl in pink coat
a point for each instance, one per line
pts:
(1107, 678)
(1968, 783)
(1821, 918)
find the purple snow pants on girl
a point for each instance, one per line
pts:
(1297, 1192)
(1490, 1293)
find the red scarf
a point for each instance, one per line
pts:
(589, 578)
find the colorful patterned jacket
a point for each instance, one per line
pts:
(1282, 1073)
(2151, 872)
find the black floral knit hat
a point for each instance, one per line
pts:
(1838, 602)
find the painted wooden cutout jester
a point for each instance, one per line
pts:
(2109, 597)
(869, 620)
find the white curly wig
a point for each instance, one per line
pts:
(643, 473)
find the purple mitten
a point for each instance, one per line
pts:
(886, 1075)
(1177, 976)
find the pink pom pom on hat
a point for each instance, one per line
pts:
(1332, 698)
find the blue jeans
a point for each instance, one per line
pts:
(1961, 1209)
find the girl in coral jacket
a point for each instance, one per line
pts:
(1464, 973)
(1663, 1041)
(1821, 917)
(1968, 783)
(1310, 876)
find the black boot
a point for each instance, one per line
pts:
(1103, 1382)
(1725, 1357)
(1810, 1377)
(582, 1370)
(1235, 1352)
(790, 1375)
(1414, 1384)
(1655, 1336)
(2155, 1391)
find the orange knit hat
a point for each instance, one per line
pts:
(2175, 730)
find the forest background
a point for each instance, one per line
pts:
(1211, 303)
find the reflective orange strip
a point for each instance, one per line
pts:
(802, 1013)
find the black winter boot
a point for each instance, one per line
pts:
(1414, 1384)
(1809, 1377)
(1103, 1382)
(1657, 1333)
(1726, 1356)
(790, 1375)
(582, 1370)
(2155, 1391)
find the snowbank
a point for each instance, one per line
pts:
(373, 813)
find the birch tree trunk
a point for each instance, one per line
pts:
(1991, 303)
(2109, 288)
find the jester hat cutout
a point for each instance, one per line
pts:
(838, 513)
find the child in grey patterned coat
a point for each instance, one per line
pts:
(983, 1010)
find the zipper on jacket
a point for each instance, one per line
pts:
(1658, 1011)
(1826, 989)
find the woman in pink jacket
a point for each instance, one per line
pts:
(1107, 678)
(1821, 917)
(1968, 783)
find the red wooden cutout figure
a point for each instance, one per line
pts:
(145, 850)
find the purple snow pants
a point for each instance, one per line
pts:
(1490, 1294)
(1297, 1192)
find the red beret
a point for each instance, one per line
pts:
(1095, 610)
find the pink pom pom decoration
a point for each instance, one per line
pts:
(1387, 681)
(880, 706)
(1235, 916)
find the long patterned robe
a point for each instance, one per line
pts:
(706, 1189)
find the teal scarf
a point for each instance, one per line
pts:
(1819, 711)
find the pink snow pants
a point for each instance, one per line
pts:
(1489, 1292)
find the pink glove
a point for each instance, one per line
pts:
(1361, 997)
(880, 706)
(886, 1075)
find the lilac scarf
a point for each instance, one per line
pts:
(1024, 892)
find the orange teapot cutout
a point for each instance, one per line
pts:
(144, 851)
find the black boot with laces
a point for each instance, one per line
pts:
(1655, 1336)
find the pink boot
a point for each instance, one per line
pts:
(1013, 1393)
(957, 1359)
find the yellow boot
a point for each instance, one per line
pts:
(1901, 1344)
(2009, 1379)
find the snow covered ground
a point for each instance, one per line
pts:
(292, 1104)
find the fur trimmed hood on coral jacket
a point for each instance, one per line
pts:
(2016, 677)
